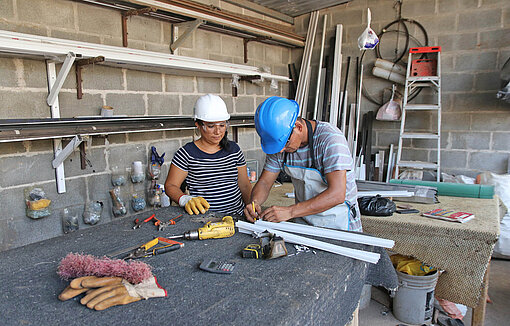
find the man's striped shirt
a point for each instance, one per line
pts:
(213, 176)
(331, 153)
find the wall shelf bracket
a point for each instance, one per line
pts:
(129, 13)
(61, 77)
(190, 27)
(68, 150)
(79, 66)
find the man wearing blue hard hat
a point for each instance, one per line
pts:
(316, 157)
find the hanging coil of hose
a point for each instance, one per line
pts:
(398, 56)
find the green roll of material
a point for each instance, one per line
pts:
(453, 189)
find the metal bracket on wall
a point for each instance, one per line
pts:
(60, 78)
(190, 27)
(248, 78)
(68, 150)
(247, 40)
(126, 15)
(79, 65)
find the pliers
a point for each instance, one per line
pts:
(139, 222)
(172, 221)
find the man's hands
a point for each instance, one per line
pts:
(194, 205)
(106, 292)
(272, 214)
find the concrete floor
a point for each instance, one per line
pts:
(497, 312)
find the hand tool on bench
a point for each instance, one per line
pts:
(161, 226)
(139, 222)
(156, 246)
(217, 230)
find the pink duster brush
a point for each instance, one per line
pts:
(78, 265)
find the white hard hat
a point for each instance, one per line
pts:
(210, 108)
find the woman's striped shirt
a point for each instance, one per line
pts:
(213, 176)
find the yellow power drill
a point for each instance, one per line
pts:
(216, 230)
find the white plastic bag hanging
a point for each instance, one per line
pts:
(368, 39)
(390, 111)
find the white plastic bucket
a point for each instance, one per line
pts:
(413, 302)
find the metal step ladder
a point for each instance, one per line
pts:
(421, 73)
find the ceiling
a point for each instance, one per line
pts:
(296, 8)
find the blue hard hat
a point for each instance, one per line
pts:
(274, 121)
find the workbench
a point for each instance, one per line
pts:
(304, 289)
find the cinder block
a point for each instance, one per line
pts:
(116, 138)
(211, 42)
(495, 39)
(164, 104)
(253, 88)
(418, 8)
(456, 42)
(123, 156)
(255, 51)
(180, 84)
(209, 85)
(130, 104)
(76, 194)
(8, 73)
(144, 29)
(488, 81)
(221, 58)
(455, 121)
(486, 101)
(452, 159)
(101, 21)
(232, 46)
(418, 121)
(34, 73)
(59, 14)
(7, 9)
(44, 145)
(470, 140)
(12, 202)
(72, 165)
(188, 103)
(76, 36)
(229, 102)
(20, 27)
(348, 17)
(447, 64)
(227, 87)
(415, 154)
(71, 107)
(98, 77)
(424, 143)
(245, 104)
(489, 161)
(145, 136)
(457, 82)
(169, 147)
(476, 61)
(144, 81)
(272, 54)
(490, 122)
(246, 140)
(440, 24)
(12, 148)
(479, 19)
(501, 141)
(387, 137)
(382, 12)
(24, 105)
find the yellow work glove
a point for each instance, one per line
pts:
(194, 205)
(106, 292)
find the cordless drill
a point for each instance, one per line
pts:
(216, 230)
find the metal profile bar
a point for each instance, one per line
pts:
(190, 28)
(120, 57)
(328, 233)
(370, 257)
(317, 91)
(337, 74)
(55, 113)
(60, 78)
(383, 193)
(68, 150)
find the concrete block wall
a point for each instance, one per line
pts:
(475, 40)
(23, 91)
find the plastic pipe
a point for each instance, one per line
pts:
(386, 74)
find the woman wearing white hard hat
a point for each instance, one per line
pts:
(213, 167)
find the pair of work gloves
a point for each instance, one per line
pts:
(106, 292)
(194, 205)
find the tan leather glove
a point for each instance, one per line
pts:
(106, 292)
(196, 205)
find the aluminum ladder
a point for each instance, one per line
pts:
(422, 73)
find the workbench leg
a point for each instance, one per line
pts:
(478, 316)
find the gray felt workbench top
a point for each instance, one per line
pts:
(304, 289)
